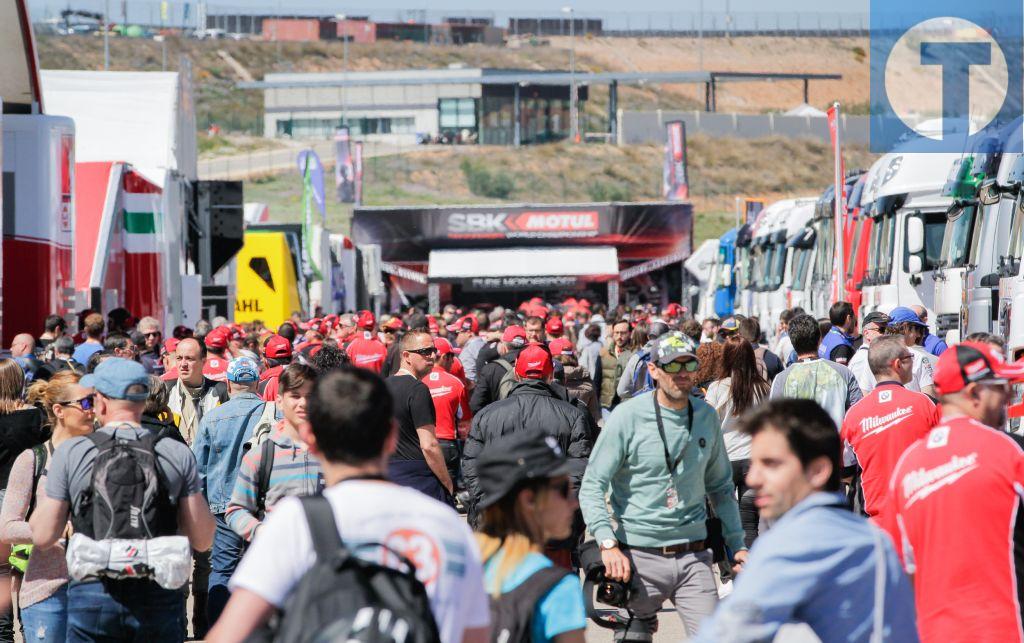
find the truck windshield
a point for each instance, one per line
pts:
(958, 236)
(777, 268)
(1016, 233)
(824, 240)
(801, 261)
(855, 240)
(880, 252)
(934, 233)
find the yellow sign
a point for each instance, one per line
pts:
(266, 286)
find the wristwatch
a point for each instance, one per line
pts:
(608, 543)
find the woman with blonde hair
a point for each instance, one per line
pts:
(528, 501)
(42, 595)
(22, 426)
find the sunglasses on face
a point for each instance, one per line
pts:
(690, 366)
(87, 403)
(424, 352)
(562, 488)
(155, 333)
(389, 331)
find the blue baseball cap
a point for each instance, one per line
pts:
(243, 370)
(119, 379)
(903, 315)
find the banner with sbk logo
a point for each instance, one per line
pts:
(639, 231)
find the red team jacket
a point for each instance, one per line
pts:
(879, 428)
(954, 515)
(451, 402)
(366, 351)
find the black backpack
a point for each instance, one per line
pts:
(127, 496)
(512, 612)
(345, 598)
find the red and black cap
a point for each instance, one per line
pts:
(969, 362)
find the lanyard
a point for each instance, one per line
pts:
(669, 464)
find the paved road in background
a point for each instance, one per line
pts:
(282, 159)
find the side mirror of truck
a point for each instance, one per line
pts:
(989, 193)
(915, 235)
(914, 264)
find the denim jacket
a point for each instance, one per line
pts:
(218, 446)
(817, 565)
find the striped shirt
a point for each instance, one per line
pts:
(295, 473)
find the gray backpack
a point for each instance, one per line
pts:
(508, 380)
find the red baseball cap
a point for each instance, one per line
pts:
(674, 310)
(365, 320)
(515, 335)
(443, 346)
(171, 344)
(277, 347)
(395, 323)
(465, 323)
(534, 362)
(554, 326)
(561, 346)
(969, 362)
(217, 339)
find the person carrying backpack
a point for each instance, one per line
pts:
(495, 370)
(42, 595)
(528, 501)
(219, 446)
(313, 559)
(166, 500)
(281, 465)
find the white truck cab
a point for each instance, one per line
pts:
(904, 197)
(1008, 266)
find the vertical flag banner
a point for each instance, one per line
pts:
(838, 266)
(312, 172)
(357, 164)
(344, 175)
(675, 185)
(164, 12)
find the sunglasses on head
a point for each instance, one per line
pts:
(425, 352)
(690, 366)
(87, 403)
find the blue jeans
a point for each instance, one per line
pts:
(47, 620)
(125, 610)
(227, 551)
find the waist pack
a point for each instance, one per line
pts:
(128, 496)
(345, 598)
(512, 612)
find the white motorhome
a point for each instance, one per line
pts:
(798, 258)
(705, 266)
(755, 259)
(904, 197)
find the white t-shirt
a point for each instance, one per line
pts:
(923, 370)
(425, 531)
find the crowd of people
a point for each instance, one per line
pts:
(462, 476)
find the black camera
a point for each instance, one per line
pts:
(615, 594)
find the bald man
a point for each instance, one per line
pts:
(22, 345)
(934, 345)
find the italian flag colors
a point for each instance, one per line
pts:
(142, 230)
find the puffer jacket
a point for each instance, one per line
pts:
(610, 373)
(531, 403)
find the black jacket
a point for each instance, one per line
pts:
(20, 430)
(532, 403)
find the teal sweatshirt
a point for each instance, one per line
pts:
(627, 465)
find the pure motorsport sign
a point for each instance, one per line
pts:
(528, 224)
(639, 231)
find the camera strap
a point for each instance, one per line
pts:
(670, 464)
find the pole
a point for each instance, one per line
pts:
(573, 102)
(344, 90)
(700, 39)
(839, 189)
(106, 35)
